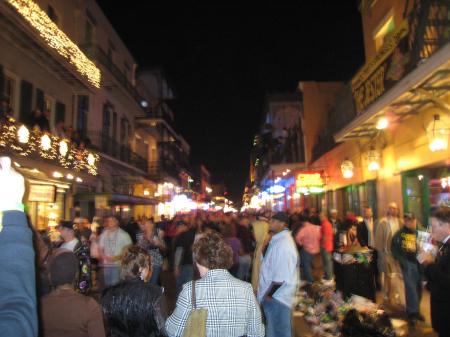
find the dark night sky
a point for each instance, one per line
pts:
(222, 60)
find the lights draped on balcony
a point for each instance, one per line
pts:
(57, 39)
(19, 139)
(347, 168)
(438, 134)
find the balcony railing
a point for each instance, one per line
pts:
(113, 148)
(425, 29)
(342, 113)
(160, 113)
(95, 52)
(159, 169)
(20, 140)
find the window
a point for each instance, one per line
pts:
(10, 85)
(123, 130)
(126, 70)
(52, 14)
(106, 126)
(60, 112)
(39, 99)
(114, 148)
(26, 96)
(88, 32)
(383, 30)
(82, 116)
(110, 52)
(114, 126)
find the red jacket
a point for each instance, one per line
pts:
(326, 230)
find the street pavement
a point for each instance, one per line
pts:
(301, 328)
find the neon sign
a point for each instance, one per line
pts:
(309, 183)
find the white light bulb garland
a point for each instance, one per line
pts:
(21, 140)
(57, 39)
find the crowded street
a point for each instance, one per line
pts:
(224, 170)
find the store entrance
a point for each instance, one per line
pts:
(416, 193)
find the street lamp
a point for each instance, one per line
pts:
(437, 133)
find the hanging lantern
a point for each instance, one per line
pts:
(23, 134)
(46, 142)
(91, 159)
(63, 148)
(437, 133)
(347, 169)
(373, 158)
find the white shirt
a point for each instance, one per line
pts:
(113, 243)
(369, 225)
(393, 224)
(70, 245)
(280, 265)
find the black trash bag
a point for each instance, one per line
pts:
(358, 324)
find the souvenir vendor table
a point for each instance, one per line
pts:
(354, 273)
(327, 314)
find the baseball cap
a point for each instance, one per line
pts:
(65, 224)
(409, 215)
(281, 216)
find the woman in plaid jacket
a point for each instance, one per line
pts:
(231, 304)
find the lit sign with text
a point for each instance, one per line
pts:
(309, 183)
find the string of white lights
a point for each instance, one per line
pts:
(57, 39)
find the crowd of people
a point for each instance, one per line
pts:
(244, 270)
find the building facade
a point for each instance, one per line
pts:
(64, 60)
(166, 149)
(387, 132)
(278, 153)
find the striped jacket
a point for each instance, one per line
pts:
(232, 307)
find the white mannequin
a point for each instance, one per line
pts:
(12, 187)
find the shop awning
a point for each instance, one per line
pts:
(116, 199)
(422, 86)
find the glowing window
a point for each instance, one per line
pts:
(385, 28)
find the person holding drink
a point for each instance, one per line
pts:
(437, 271)
(404, 249)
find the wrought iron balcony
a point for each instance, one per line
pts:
(97, 53)
(107, 145)
(424, 30)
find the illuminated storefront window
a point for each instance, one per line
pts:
(45, 205)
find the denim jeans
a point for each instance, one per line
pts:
(413, 286)
(186, 275)
(111, 276)
(244, 267)
(327, 261)
(155, 274)
(306, 260)
(278, 318)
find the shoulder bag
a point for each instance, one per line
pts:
(196, 322)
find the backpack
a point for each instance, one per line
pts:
(196, 322)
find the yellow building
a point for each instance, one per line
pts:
(390, 124)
